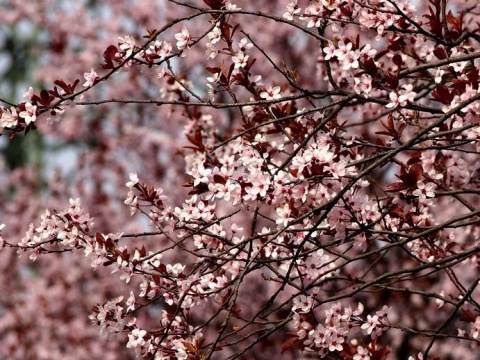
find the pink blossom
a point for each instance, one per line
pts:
(438, 75)
(475, 328)
(131, 302)
(29, 114)
(363, 85)
(459, 66)
(334, 342)
(231, 6)
(302, 303)
(329, 51)
(362, 354)
(310, 15)
(9, 117)
(281, 196)
(343, 50)
(258, 188)
(271, 93)
(200, 174)
(127, 44)
(351, 61)
(211, 51)
(367, 50)
(370, 325)
(424, 191)
(183, 38)
(406, 95)
(166, 50)
(214, 35)
(27, 95)
(240, 59)
(244, 45)
(133, 180)
(291, 10)
(135, 338)
(90, 78)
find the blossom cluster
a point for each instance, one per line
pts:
(307, 197)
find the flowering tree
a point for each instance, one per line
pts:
(251, 180)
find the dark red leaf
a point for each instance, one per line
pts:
(392, 80)
(440, 53)
(397, 211)
(219, 179)
(213, 70)
(289, 343)
(370, 67)
(394, 187)
(397, 60)
(442, 94)
(416, 172)
(214, 4)
(473, 78)
(467, 316)
(108, 56)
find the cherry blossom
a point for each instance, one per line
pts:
(90, 78)
(310, 13)
(127, 44)
(331, 210)
(406, 95)
(244, 44)
(183, 38)
(9, 117)
(351, 61)
(133, 180)
(302, 303)
(29, 114)
(214, 35)
(211, 51)
(240, 59)
(343, 50)
(362, 354)
(271, 93)
(231, 6)
(329, 51)
(201, 175)
(370, 325)
(363, 85)
(292, 9)
(135, 338)
(424, 191)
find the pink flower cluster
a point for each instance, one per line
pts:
(345, 183)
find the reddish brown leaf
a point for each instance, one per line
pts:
(441, 94)
(219, 179)
(108, 56)
(467, 316)
(289, 343)
(396, 186)
(440, 53)
(473, 78)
